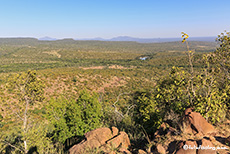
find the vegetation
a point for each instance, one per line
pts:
(79, 86)
(74, 118)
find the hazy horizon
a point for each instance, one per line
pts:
(102, 37)
(109, 19)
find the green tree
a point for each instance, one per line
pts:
(220, 61)
(74, 118)
(203, 88)
(221, 57)
(147, 113)
(20, 131)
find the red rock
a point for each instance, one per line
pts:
(198, 122)
(115, 131)
(124, 151)
(189, 147)
(103, 139)
(101, 134)
(206, 147)
(122, 139)
(161, 149)
(141, 152)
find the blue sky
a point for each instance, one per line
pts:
(111, 18)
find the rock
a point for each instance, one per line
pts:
(141, 152)
(206, 147)
(124, 151)
(100, 134)
(187, 147)
(197, 122)
(104, 139)
(122, 139)
(160, 149)
(115, 131)
(77, 149)
(212, 139)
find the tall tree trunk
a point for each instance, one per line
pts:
(25, 125)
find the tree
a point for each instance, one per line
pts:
(147, 112)
(20, 135)
(203, 88)
(220, 63)
(74, 117)
(221, 57)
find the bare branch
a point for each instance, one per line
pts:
(118, 97)
(129, 107)
(18, 115)
(114, 104)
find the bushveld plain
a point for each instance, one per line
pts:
(53, 92)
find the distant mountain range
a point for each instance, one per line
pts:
(139, 40)
(46, 38)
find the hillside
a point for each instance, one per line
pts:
(53, 92)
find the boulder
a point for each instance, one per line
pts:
(102, 134)
(124, 151)
(93, 139)
(197, 122)
(141, 152)
(206, 147)
(187, 147)
(104, 139)
(160, 149)
(115, 131)
(121, 140)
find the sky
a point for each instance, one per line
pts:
(112, 18)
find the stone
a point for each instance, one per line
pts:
(124, 151)
(100, 134)
(104, 139)
(160, 149)
(141, 152)
(206, 147)
(187, 147)
(121, 140)
(115, 131)
(197, 122)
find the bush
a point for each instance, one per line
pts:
(74, 118)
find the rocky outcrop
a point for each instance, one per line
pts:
(121, 140)
(187, 147)
(102, 138)
(206, 147)
(196, 137)
(196, 123)
(203, 146)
